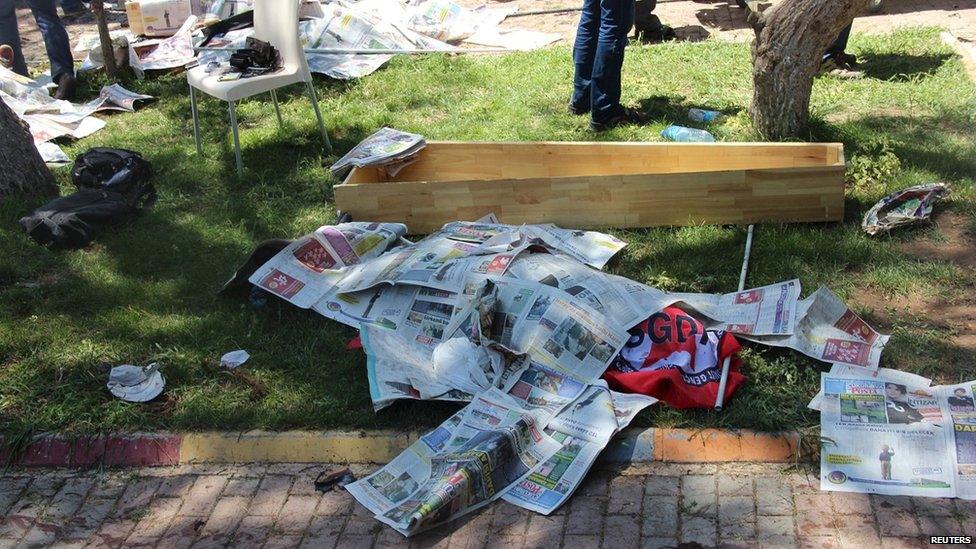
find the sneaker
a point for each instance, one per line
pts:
(625, 116)
(67, 86)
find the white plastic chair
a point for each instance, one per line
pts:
(275, 22)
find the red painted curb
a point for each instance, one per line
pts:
(140, 449)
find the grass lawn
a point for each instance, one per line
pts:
(147, 292)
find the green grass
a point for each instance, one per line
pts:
(147, 291)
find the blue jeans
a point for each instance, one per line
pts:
(52, 29)
(839, 45)
(599, 55)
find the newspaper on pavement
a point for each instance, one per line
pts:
(467, 462)
(960, 401)
(828, 330)
(583, 428)
(890, 438)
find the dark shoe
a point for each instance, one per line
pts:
(67, 86)
(625, 116)
(576, 111)
(850, 61)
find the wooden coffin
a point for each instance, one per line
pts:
(591, 185)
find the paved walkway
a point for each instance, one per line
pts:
(655, 505)
(722, 19)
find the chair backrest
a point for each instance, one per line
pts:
(276, 22)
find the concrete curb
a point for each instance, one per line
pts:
(161, 449)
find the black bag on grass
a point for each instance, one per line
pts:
(113, 186)
(118, 170)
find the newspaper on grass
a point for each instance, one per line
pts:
(50, 118)
(891, 438)
(884, 374)
(384, 148)
(467, 462)
(828, 330)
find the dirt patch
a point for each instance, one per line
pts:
(959, 246)
(957, 316)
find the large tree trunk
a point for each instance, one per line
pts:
(22, 171)
(105, 39)
(791, 38)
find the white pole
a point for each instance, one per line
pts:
(720, 398)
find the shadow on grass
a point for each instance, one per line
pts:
(901, 67)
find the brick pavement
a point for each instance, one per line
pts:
(651, 505)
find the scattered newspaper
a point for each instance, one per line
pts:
(50, 118)
(827, 330)
(891, 438)
(583, 428)
(170, 53)
(387, 149)
(467, 462)
(904, 207)
(383, 24)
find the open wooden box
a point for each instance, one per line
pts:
(590, 185)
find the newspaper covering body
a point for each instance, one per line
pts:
(170, 53)
(439, 263)
(464, 464)
(549, 326)
(398, 368)
(960, 402)
(590, 247)
(826, 329)
(885, 438)
(312, 266)
(584, 428)
(597, 289)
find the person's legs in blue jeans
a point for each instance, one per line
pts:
(584, 51)
(840, 44)
(55, 38)
(616, 19)
(10, 35)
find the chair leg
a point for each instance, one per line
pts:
(274, 99)
(318, 115)
(196, 119)
(232, 107)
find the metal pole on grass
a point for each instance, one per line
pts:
(720, 398)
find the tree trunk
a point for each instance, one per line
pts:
(22, 171)
(791, 38)
(105, 39)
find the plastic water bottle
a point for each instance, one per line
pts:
(702, 115)
(687, 135)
